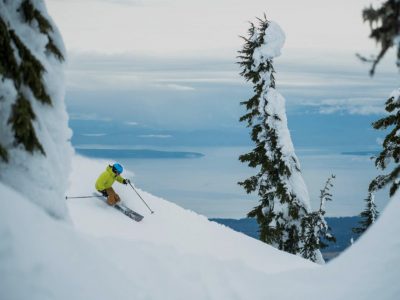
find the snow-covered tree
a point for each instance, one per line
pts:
(368, 216)
(315, 229)
(391, 146)
(34, 134)
(385, 30)
(384, 22)
(282, 193)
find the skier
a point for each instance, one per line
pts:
(105, 181)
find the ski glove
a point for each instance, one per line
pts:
(126, 181)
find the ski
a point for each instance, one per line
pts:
(128, 212)
(124, 209)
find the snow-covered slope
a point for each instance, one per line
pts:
(42, 258)
(370, 269)
(173, 254)
(170, 226)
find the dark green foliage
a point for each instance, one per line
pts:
(27, 71)
(52, 48)
(269, 183)
(391, 148)
(21, 121)
(30, 14)
(310, 239)
(385, 27)
(315, 230)
(8, 65)
(30, 71)
(246, 62)
(3, 154)
(386, 32)
(368, 216)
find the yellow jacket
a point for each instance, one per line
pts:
(107, 178)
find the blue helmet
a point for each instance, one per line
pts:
(117, 168)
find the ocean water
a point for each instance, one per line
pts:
(208, 184)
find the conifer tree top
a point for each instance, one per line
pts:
(384, 23)
(273, 41)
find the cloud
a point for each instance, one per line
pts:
(179, 87)
(157, 136)
(131, 123)
(94, 134)
(352, 106)
(88, 117)
(123, 2)
(94, 71)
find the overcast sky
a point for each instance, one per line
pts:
(206, 27)
(185, 50)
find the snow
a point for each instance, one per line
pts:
(372, 208)
(395, 94)
(273, 104)
(52, 248)
(203, 237)
(173, 254)
(40, 178)
(272, 112)
(274, 39)
(42, 258)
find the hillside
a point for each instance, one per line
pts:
(173, 254)
(171, 226)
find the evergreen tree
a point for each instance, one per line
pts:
(35, 150)
(368, 216)
(391, 146)
(282, 193)
(384, 22)
(19, 65)
(385, 30)
(315, 230)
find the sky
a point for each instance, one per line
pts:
(205, 28)
(163, 73)
(174, 48)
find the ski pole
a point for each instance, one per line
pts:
(140, 197)
(80, 197)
